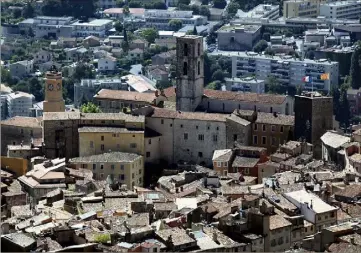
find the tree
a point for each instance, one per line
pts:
(118, 27)
(266, 36)
(120, 3)
(335, 93)
(216, 85)
(225, 63)
(233, 8)
(260, 46)
(126, 10)
(28, 11)
(81, 9)
(185, 2)
(204, 11)
(90, 108)
(344, 112)
(16, 13)
(150, 34)
(355, 70)
(82, 71)
(220, 4)
(175, 24)
(36, 88)
(218, 75)
(273, 86)
(195, 31)
(31, 32)
(205, 2)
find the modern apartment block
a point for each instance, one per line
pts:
(341, 9)
(160, 18)
(97, 27)
(287, 70)
(19, 103)
(238, 38)
(301, 8)
(52, 26)
(265, 11)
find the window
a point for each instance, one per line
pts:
(101, 166)
(171, 125)
(273, 128)
(200, 137)
(94, 166)
(199, 67)
(281, 129)
(273, 242)
(101, 175)
(150, 141)
(199, 49)
(102, 138)
(196, 127)
(200, 154)
(319, 217)
(122, 176)
(112, 167)
(246, 171)
(185, 50)
(162, 121)
(185, 136)
(91, 144)
(217, 128)
(255, 139)
(22, 131)
(264, 128)
(133, 145)
(181, 126)
(140, 172)
(31, 133)
(255, 127)
(280, 241)
(102, 147)
(287, 239)
(215, 138)
(264, 140)
(273, 141)
(219, 164)
(132, 175)
(185, 68)
(147, 154)
(122, 167)
(234, 137)
(84, 166)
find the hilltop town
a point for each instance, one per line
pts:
(180, 126)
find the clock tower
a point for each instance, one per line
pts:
(54, 101)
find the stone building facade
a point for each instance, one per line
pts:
(17, 130)
(189, 71)
(313, 117)
(61, 136)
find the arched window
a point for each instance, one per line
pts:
(185, 50)
(199, 49)
(271, 109)
(199, 67)
(185, 68)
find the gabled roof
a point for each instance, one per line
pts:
(222, 155)
(334, 140)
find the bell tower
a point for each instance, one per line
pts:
(54, 101)
(190, 72)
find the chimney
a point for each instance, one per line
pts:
(311, 205)
(181, 188)
(352, 240)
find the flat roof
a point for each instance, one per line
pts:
(319, 206)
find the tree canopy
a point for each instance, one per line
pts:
(220, 4)
(90, 108)
(175, 24)
(150, 34)
(82, 9)
(355, 70)
(260, 46)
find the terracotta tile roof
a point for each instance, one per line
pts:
(246, 97)
(169, 92)
(277, 221)
(164, 113)
(245, 162)
(125, 95)
(275, 119)
(344, 247)
(350, 191)
(22, 122)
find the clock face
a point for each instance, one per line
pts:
(50, 87)
(58, 86)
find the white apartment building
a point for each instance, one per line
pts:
(314, 210)
(19, 104)
(96, 27)
(287, 70)
(247, 84)
(301, 8)
(52, 26)
(107, 63)
(341, 9)
(161, 18)
(264, 11)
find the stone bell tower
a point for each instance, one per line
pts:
(54, 101)
(190, 72)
